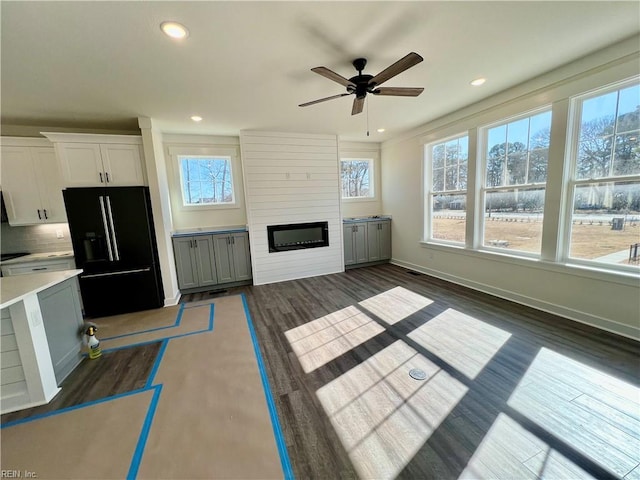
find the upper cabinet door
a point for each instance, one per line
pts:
(32, 186)
(81, 164)
(88, 160)
(49, 184)
(19, 186)
(122, 164)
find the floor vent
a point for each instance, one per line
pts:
(417, 374)
(415, 274)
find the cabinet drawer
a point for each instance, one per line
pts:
(37, 267)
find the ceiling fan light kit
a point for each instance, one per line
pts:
(362, 84)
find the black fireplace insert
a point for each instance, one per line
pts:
(297, 236)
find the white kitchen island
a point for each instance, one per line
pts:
(40, 341)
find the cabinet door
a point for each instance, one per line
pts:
(20, 189)
(122, 164)
(185, 262)
(204, 259)
(348, 233)
(384, 240)
(62, 318)
(223, 258)
(241, 256)
(81, 164)
(50, 184)
(379, 240)
(360, 243)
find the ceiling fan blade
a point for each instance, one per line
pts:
(331, 75)
(358, 105)
(323, 99)
(398, 91)
(400, 66)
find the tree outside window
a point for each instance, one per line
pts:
(516, 162)
(206, 180)
(356, 175)
(605, 213)
(449, 162)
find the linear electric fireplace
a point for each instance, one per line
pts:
(297, 236)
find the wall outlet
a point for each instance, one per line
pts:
(59, 234)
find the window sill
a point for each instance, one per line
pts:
(586, 271)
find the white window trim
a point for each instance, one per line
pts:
(372, 178)
(570, 182)
(483, 189)
(429, 192)
(226, 158)
(206, 152)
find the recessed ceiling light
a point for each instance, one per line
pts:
(478, 81)
(174, 29)
(196, 118)
(380, 130)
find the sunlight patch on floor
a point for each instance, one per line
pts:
(395, 304)
(510, 451)
(465, 343)
(592, 412)
(382, 415)
(318, 342)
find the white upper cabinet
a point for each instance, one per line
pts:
(31, 182)
(99, 160)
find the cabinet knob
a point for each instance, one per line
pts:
(45, 214)
(101, 181)
(39, 216)
(106, 174)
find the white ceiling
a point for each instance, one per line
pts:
(246, 65)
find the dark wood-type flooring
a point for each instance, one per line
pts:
(511, 392)
(114, 373)
(575, 366)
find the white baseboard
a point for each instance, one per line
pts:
(569, 313)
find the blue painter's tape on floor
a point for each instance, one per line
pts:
(275, 423)
(144, 434)
(176, 324)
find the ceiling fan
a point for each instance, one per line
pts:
(362, 84)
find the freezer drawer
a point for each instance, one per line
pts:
(120, 292)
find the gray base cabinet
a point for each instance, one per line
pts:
(379, 240)
(367, 242)
(355, 243)
(62, 318)
(209, 260)
(194, 261)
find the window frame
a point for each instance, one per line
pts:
(372, 180)
(177, 151)
(484, 189)
(571, 182)
(431, 193)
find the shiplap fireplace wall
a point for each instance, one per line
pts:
(291, 178)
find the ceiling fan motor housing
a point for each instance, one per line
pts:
(361, 85)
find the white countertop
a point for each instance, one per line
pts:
(16, 288)
(38, 257)
(206, 230)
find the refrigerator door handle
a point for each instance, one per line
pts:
(122, 272)
(106, 227)
(113, 231)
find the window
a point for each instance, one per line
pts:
(515, 160)
(206, 180)
(356, 175)
(605, 180)
(448, 196)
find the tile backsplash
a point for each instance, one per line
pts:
(35, 238)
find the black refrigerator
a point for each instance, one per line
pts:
(114, 243)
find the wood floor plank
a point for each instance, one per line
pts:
(352, 410)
